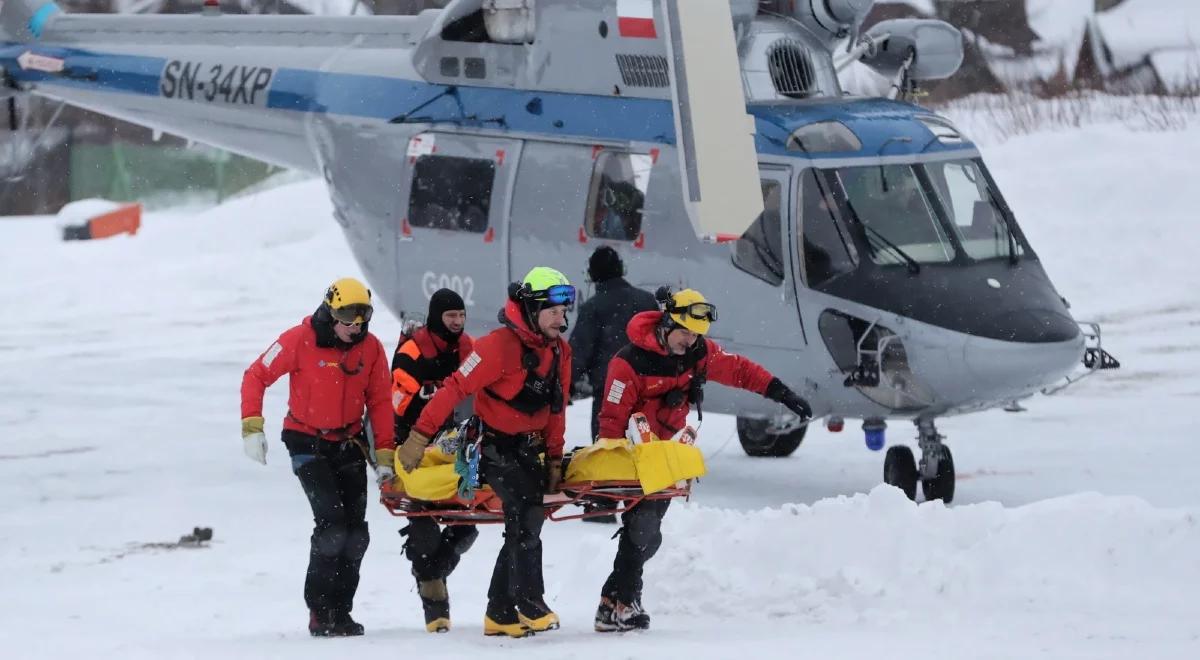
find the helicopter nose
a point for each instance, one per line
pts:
(1033, 326)
(1011, 368)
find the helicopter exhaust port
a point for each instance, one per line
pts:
(510, 21)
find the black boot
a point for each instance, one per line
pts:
(615, 616)
(321, 623)
(345, 626)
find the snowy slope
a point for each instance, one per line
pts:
(1074, 533)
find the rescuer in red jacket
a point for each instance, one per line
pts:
(661, 373)
(336, 368)
(520, 374)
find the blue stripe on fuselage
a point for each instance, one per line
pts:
(555, 113)
(878, 123)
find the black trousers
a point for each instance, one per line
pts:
(513, 469)
(434, 552)
(640, 537)
(334, 478)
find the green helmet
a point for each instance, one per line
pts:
(542, 287)
(541, 278)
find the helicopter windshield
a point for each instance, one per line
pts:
(971, 207)
(897, 218)
(924, 214)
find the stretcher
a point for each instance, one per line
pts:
(615, 474)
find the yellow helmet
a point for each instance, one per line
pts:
(349, 301)
(689, 309)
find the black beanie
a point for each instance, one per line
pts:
(442, 301)
(605, 264)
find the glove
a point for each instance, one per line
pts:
(777, 391)
(427, 391)
(385, 471)
(553, 474)
(413, 449)
(254, 442)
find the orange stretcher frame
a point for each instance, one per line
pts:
(485, 508)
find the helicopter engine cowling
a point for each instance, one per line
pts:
(829, 20)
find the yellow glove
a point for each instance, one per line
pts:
(254, 442)
(252, 425)
(412, 451)
(385, 470)
(553, 474)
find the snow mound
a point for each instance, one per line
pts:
(879, 557)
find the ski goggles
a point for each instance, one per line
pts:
(352, 314)
(700, 311)
(559, 294)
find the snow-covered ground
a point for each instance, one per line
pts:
(1074, 534)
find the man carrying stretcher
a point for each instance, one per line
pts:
(660, 374)
(520, 374)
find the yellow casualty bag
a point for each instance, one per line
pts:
(609, 459)
(434, 478)
(656, 465)
(662, 463)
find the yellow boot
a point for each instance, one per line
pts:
(536, 615)
(436, 602)
(501, 620)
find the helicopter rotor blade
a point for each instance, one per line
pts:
(718, 162)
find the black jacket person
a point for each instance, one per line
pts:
(600, 328)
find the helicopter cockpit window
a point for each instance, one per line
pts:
(973, 209)
(617, 196)
(759, 250)
(827, 248)
(890, 205)
(451, 193)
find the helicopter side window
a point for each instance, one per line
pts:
(759, 250)
(889, 204)
(827, 248)
(451, 193)
(973, 210)
(617, 196)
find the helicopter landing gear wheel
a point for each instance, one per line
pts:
(900, 470)
(937, 464)
(941, 486)
(758, 439)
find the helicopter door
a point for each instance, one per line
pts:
(824, 249)
(455, 204)
(762, 254)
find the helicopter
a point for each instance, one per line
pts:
(858, 247)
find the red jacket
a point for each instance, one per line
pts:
(328, 388)
(642, 374)
(494, 369)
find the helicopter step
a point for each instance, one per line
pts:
(935, 471)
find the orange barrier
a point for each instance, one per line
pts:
(125, 220)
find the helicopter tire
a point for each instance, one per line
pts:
(756, 441)
(941, 487)
(900, 470)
